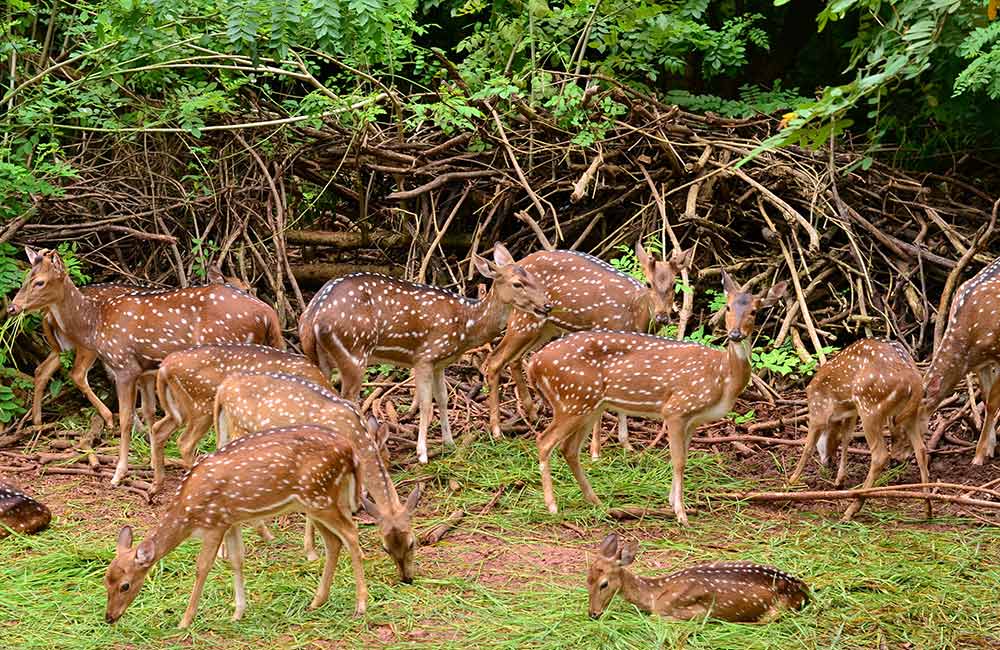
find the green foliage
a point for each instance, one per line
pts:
(752, 101)
(203, 252)
(73, 264)
(749, 416)
(982, 49)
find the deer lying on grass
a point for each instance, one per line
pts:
(740, 592)
(296, 469)
(682, 383)
(251, 402)
(186, 383)
(879, 382)
(971, 343)
(366, 318)
(584, 293)
(133, 332)
(20, 513)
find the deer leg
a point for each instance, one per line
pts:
(309, 541)
(678, 434)
(816, 426)
(422, 379)
(158, 437)
(81, 366)
(43, 374)
(623, 432)
(872, 425)
(194, 430)
(234, 547)
(595, 440)
(206, 557)
(562, 426)
(147, 393)
(916, 438)
(844, 432)
(440, 389)
(988, 436)
(125, 385)
(333, 546)
(514, 344)
(570, 449)
(343, 527)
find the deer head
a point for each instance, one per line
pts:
(660, 277)
(44, 285)
(741, 307)
(604, 579)
(126, 573)
(513, 285)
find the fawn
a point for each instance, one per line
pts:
(20, 513)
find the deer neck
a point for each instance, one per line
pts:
(484, 319)
(638, 591)
(76, 315)
(949, 363)
(736, 368)
(168, 534)
(641, 307)
(378, 481)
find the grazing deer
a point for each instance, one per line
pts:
(739, 592)
(971, 343)
(879, 382)
(186, 383)
(584, 293)
(366, 318)
(296, 469)
(20, 513)
(133, 332)
(684, 384)
(83, 361)
(252, 402)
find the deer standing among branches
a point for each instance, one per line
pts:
(878, 382)
(133, 332)
(296, 469)
(682, 383)
(584, 293)
(366, 318)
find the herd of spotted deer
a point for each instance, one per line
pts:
(215, 354)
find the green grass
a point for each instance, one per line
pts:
(884, 581)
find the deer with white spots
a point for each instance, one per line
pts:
(584, 293)
(971, 343)
(83, 360)
(305, 469)
(186, 383)
(252, 402)
(878, 382)
(133, 332)
(739, 592)
(20, 513)
(682, 383)
(365, 318)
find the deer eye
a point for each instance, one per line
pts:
(603, 585)
(517, 285)
(39, 283)
(125, 586)
(649, 285)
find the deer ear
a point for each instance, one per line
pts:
(933, 386)
(484, 266)
(774, 294)
(609, 545)
(214, 274)
(626, 555)
(33, 256)
(414, 498)
(501, 255)
(124, 539)
(372, 425)
(145, 553)
(681, 259)
(370, 507)
(728, 285)
(644, 261)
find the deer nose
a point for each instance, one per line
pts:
(594, 616)
(547, 307)
(108, 618)
(663, 319)
(13, 310)
(736, 335)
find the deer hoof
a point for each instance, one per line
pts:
(312, 556)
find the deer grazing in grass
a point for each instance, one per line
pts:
(878, 382)
(133, 332)
(186, 383)
(365, 318)
(20, 513)
(685, 384)
(740, 592)
(971, 343)
(296, 469)
(584, 293)
(252, 402)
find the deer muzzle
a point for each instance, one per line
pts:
(13, 309)
(736, 335)
(662, 319)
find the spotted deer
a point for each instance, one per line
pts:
(971, 343)
(20, 513)
(251, 402)
(584, 293)
(305, 469)
(682, 383)
(878, 382)
(739, 592)
(133, 332)
(366, 318)
(186, 383)
(83, 360)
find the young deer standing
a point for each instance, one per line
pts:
(971, 343)
(365, 318)
(879, 382)
(20, 513)
(252, 402)
(297, 469)
(186, 383)
(135, 331)
(584, 293)
(684, 384)
(740, 592)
